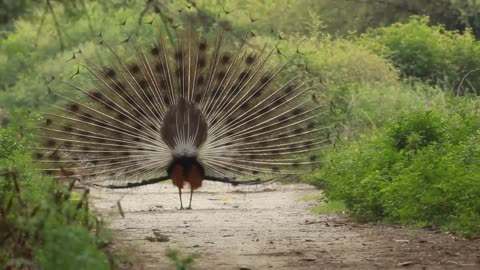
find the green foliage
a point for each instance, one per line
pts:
(330, 207)
(335, 61)
(268, 15)
(40, 225)
(415, 131)
(181, 262)
(10, 9)
(31, 55)
(341, 62)
(71, 247)
(312, 197)
(368, 106)
(430, 53)
(421, 170)
(342, 17)
(345, 16)
(326, 206)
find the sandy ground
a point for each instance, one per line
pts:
(267, 227)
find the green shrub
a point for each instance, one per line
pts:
(70, 247)
(367, 107)
(423, 169)
(430, 53)
(40, 224)
(416, 130)
(341, 62)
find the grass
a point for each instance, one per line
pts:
(331, 207)
(312, 197)
(326, 207)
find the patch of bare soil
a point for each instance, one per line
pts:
(267, 227)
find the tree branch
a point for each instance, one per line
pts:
(57, 25)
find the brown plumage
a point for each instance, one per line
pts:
(196, 111)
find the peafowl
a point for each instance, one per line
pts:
(193, 111)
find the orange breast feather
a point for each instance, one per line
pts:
(178, 178)
(195, 177)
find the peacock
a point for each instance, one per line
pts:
(190, 108)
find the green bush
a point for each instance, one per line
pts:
(41, 226)
(71, 247)
(367, 107)
(415, 131)
(341, 62)
(423, 169)
(430, 53)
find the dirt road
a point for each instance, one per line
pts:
(267, 227)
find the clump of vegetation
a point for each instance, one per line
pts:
(430, 53)
(367, 107)
(325, 206)
(340, 62)
(181, 261)
(43, 223)
(421, 169)
(343, 17)
(330, 207)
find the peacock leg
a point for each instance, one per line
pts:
(180, 194)
(190, 204)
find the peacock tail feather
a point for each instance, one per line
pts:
(234, 112)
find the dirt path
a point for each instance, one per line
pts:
(269, 228)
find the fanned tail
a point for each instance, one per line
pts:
(237, 115)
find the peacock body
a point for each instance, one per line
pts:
(194, 111)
